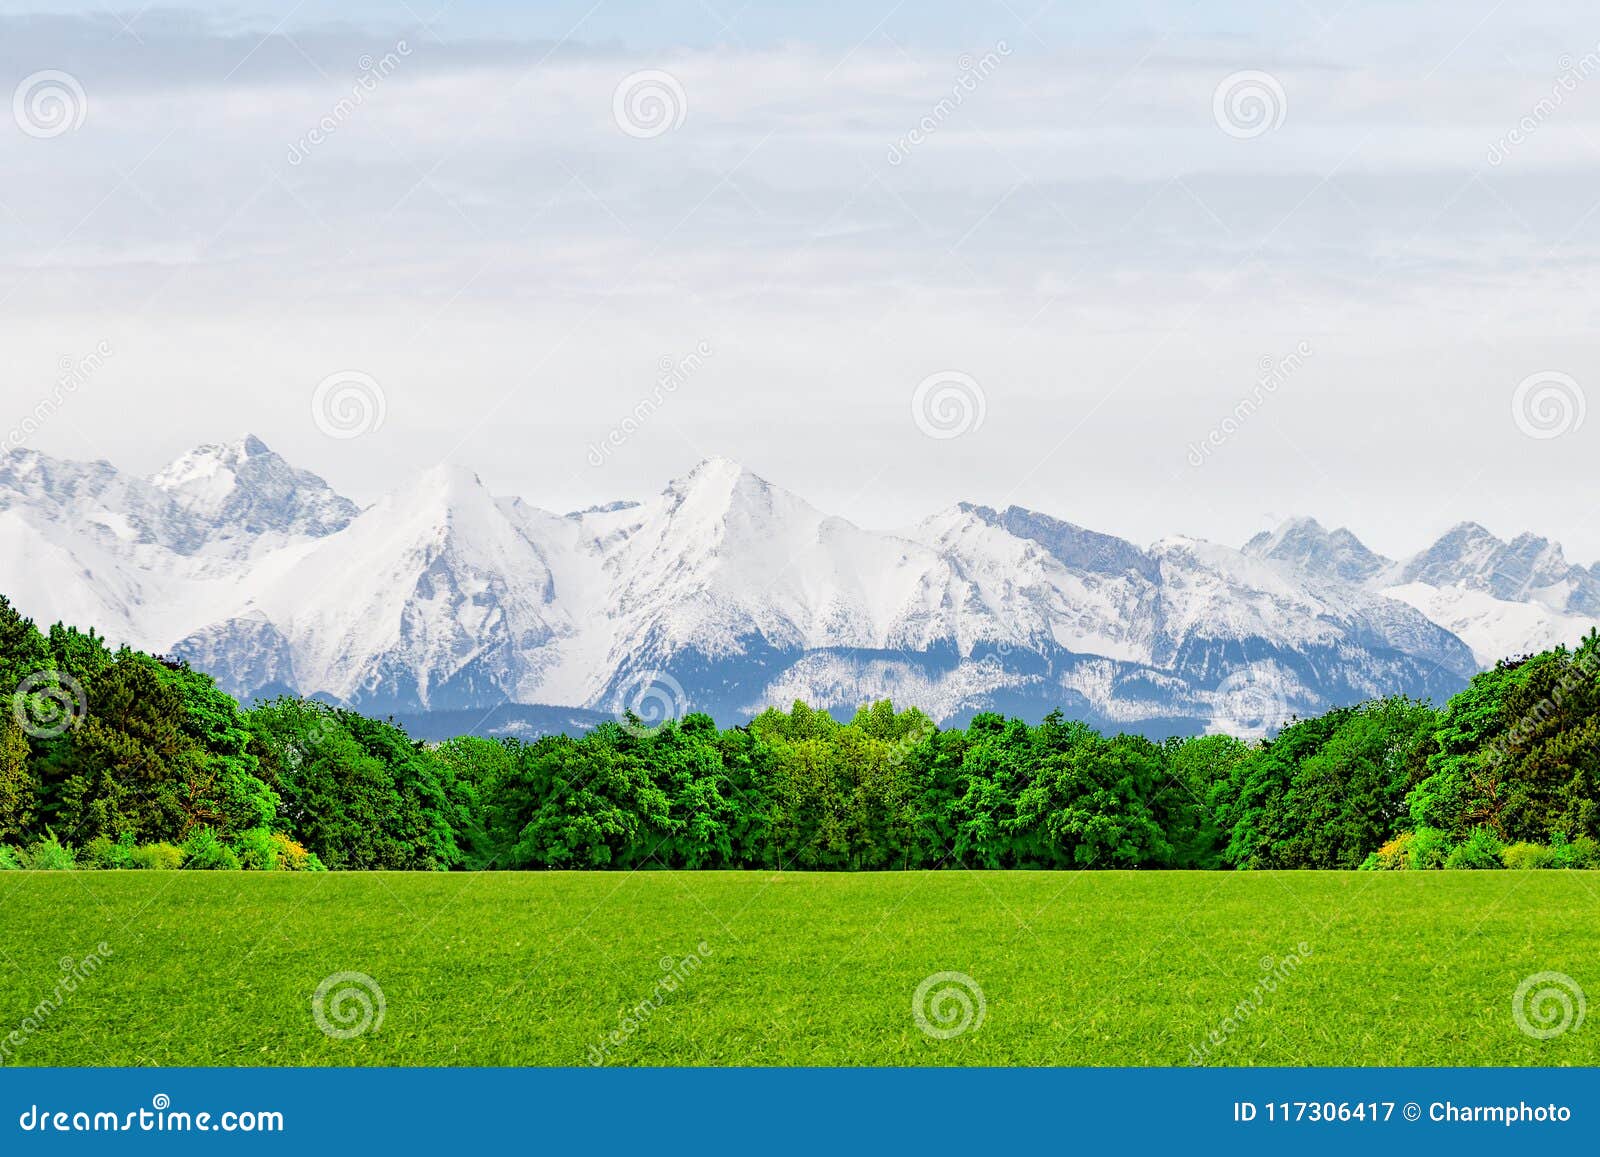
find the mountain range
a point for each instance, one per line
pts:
(725, 593)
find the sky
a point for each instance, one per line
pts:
(1154, 268)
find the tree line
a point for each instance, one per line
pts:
(116, 758)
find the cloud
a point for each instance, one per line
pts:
(1066, 222)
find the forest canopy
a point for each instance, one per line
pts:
(114, 758)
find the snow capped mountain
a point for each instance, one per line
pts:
(143, 559)
(431, 597)
(1036, 581)
(94, 501)
(244, 488)
(1526, 569)
(724, 555)
(1494, 628)
(1306, 546)
(726, 593)
(1503, 599)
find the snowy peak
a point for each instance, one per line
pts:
(442, 596)
(435, 597)
(446, 511)
(1529, 568)
(720, 490)
(1467, 552)
(203, 476)
(717, 517)
(715, 474)
(441, 488)
(1074, 547)
(723, 557)
(243, 489)
(94, 499)
(1304, 545)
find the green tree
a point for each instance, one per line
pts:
(132, 765)
(18, 791)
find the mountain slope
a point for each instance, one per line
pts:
(243, 489)
(1304, 545)
(1503, 599)
(431, 598)
(1526, 569)
(726, 593)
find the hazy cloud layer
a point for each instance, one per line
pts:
(1332, 315)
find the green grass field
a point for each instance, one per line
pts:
(1097, 968)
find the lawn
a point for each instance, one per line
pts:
(1097, 968)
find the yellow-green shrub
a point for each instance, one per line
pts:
(156, 857)
(1525, 856)
(294, 858)
(1394, 856)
